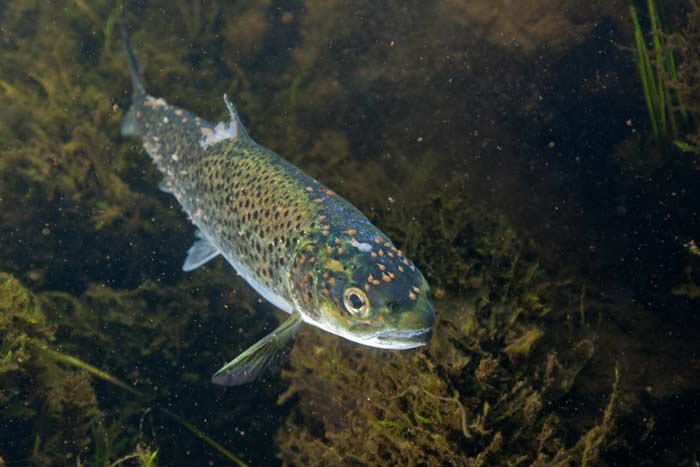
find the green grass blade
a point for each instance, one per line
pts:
(655, 30)
(76, 362)
(660, 58)
(645, 73)
(686, 147)
(151, 460)
(204, 437)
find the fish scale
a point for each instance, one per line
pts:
(243, 197)
(300, 245)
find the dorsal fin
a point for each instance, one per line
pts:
(236, 123)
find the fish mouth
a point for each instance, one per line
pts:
(389, 339)
(404, 339)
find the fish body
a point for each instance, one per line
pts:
(305, 249)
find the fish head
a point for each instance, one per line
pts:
(372, 294)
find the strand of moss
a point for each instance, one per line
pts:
(687, 79)
(148, 460)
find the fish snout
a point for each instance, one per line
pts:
(412, 327)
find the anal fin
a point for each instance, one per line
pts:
(200, 253)
(265, 354)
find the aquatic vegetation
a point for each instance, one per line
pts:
(53, 419)
(66, 182)
(687, 81)
(61, 158)
(455, 404)
(150, 458)
(67, 406)
(483, 392)
(142, 455)
(153, 333)
(398, 109)
(528, 24)
(50, 411)
(670, 115)
(662, 102)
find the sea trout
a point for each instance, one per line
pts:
(302, 247)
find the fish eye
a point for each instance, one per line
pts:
(356, 302)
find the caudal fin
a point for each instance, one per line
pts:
(130, 125)
(134, 69)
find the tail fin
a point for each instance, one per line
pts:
(134, 69)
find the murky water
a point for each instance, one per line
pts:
(506, 147)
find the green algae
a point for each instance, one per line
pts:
(68, 180)
(91, 235)
(687, 81)
(485, 391)
(75, 362)
(53, 409)
(68, 396)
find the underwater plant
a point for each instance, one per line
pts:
(62, 410)
(406, 110)
(150, 458)
(669, 116)
(660, 101)
(48, 411)
(687, 83)
(484, 391)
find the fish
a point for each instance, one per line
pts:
(301, 246)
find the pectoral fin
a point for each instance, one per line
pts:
(200, 253)
(268, 352)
